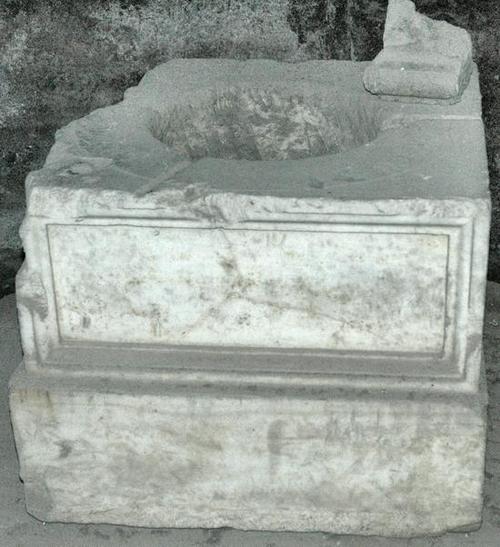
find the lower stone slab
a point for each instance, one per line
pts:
(149, 454)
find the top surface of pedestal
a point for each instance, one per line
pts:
(317, 133)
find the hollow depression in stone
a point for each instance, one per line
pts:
(255, 124)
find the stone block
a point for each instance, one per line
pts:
(141, 453)
(421, 58)
(246, 275)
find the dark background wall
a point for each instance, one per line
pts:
(60, 59)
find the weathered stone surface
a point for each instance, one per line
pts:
(421, 58)
(30, 531)
(278, 289)
(257, 124)
(51, 83)
(306, 299)
(166, 455)
(60, 60)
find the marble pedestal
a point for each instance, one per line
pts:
(287, 344)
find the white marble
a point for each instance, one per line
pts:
(299, 339)
(268, 286)
(132, 452)
(422, 59)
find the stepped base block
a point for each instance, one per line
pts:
(130, 452)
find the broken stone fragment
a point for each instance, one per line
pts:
(422, 58)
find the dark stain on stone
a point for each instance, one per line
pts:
(160, 532)
(213, 537)
(48, 400)
(35, 303)
(243, 319)
(241, 284)
(274, 436)
(271, 288)
(65, 449)
(329, 536)
(316, 183)
(205, 443)
(125, 533)
(101, 535)
(228, 264)
(473, 343)
(83, 530)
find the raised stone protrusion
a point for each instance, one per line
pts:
(30, 292)
(422, 58)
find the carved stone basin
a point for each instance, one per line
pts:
(256, 124)
(253, 297)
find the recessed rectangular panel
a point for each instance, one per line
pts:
(360, 289)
